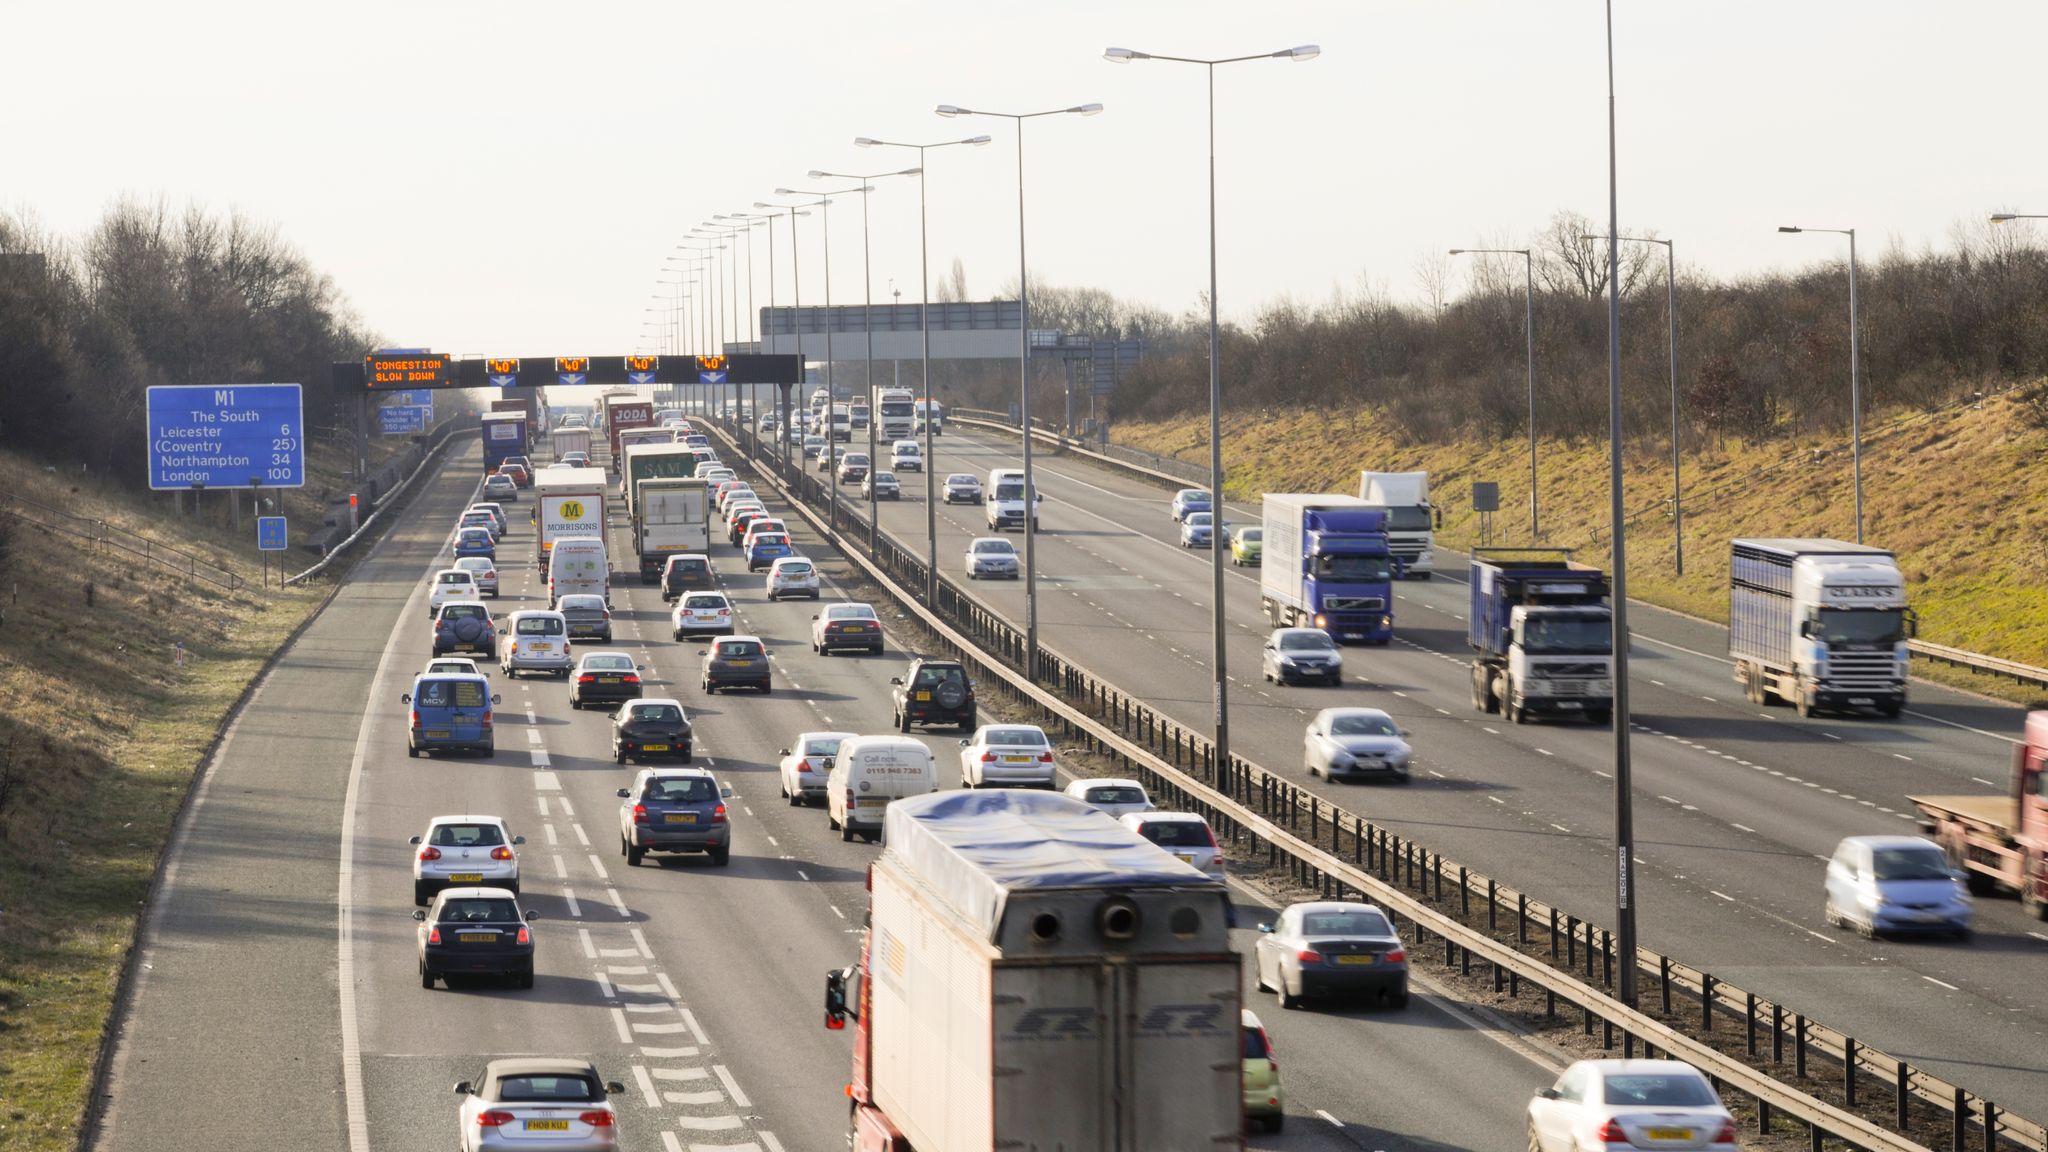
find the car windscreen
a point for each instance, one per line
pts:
(994, 548)
(1251, 535)
(801, 568)
(449, 694)
(461, 577)
(681, 790)
(1362, 726)
(1176, 833)
(656, 713)
(474, 564)
(581, 602)
(689, 566)
(962, 479)
(540, 626)
(464, 612)
(1858, 626)
(704, 602)
(466, 836)
(740, 648)
(1317, 641)
(770, 538)
(1254, 1044)
(476, 536)
(1116, 794)
(849, 612)
(1026, 737)
(1673, 1091)
(1199, 519)
(1009, 492)
(1909, 864)
(927, 677)
(609, 663)
(823, 745)
(543, 1089)
(479, 910)
(1350, 923)
(1353, 568)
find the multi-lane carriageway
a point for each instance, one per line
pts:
(277, 1003)
(1737, 806)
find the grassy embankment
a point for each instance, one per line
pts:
(1961, 497)
(101, 733)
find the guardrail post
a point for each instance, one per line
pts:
(1959, 1114)
(1359, 843)
(1849, 1070)
(1749, 1020)
(1707, 1003)
(1799, 1046)
(1901, 1094)
(1607, 957)
(1990, 1127)
(1492, 906)
(1571, 942)
(1664, 981)
(1314, 820)
(1553, 933)
(1813, 1137)
(1549, 1003)
(1464, 895)
(1763, 1116)
(1436, 872)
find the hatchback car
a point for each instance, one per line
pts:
(459, 851)
(535, 641)
(742, 517)
(483, 570)
(1197, 530)
(520, 474)
(843, 626)
(1248, 547)
(475, 542)
(1346, 742)
(464, 626)
(1301, 654)
(1264, 1104)
(853, 467)
(1332, 949)
(961, 488)
(452, 584)
(683, 573)
(674, 810)
(906, 456)
(792, 576)
(990, 556)
(1189, 500)
(882, 486)
(1184, 834)
(499, 523)
(701, 614)
(475, 931)
(1878, 884)
(729, 490)
(736, 662)
(765, 548)
(603, 678)
(759, 524)
(499, 486)
(1118, 798)
(479, 519)
(1008, 754)
(588, 618)
(1630, 1103)
(807, 764)
(813, 445)
(647, 728)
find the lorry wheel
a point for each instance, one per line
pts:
(1891, 711)
(1601, 717)
(1803, 704)
(1514, 711)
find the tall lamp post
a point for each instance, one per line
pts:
(1529, 334)
(924, 328)
(867, 323)
(1024, 369)
(1671, 340)
(1855, 373)
(796, 303)
(1219, 655)
(750, 221)
(824, 201)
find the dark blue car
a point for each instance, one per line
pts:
(1189, 500)
(475, 542)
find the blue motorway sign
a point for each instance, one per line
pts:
(505, 380)
(412, 398)
(403, 419)
(270, 533)
(707, 376)
(232, 436)
(640, 377)
(571, 379)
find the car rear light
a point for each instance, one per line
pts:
(434, 935)
(486, 724)
(988, 757)
(632, 679)
(501, 853)
(718, 814)
(607, 614)
(725, 611)
(598, 1118)
(493, 1118)
(1046, 758)
(1397, 956)
(586, 679)
(1309, 956)
(415, 718)
(430, 853)
(639, 813)
(1727, 1133)
(525, 937)
(803, 766)
(1611, 1133)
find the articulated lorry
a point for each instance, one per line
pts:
(623, 411)
(504, 435)
(1411, 521)
(567, 502)
(2001, 841)
(1820, 624)
(1326, 564)
(1036, 977)
(895, 414)
(1542, 635)
(567, 440)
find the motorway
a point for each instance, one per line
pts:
(1737, 807)
(277, 981)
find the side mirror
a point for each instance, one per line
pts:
(517, 840)
(967, 743)
(405, 698)
(1266, 928)
(497, 699)
(625, 793)
(896, 680)
(462, 1088)
(1548, 1094)
(614, 1087)
(835, 1000)
(784, 752)
(814, 617)
(725, 791)
(1439, 517)
(419, 914)
(532, 915)
(1912, 619)
(1806, 629)
(414, 840)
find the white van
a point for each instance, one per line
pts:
(868, 773)
(577, 565)
(1004, 498)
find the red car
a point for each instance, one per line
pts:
(518, 473)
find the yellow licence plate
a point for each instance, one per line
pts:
(924, 695)
(739, 663)
(682, 817)
(1670, 1133)
(1184, 858)
(437, 733)
(654, 747)
(871, 803)
(1016, 759)
(465, 877)
(547, 1125)
(477, 937)
(607, 679)
(1356, 960)
(540, 646)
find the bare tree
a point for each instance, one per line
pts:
(952, 287)
(1433, 276)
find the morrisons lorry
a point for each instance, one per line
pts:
(2001, 841)
(895, 414)
(1818, 623)
(1411, 522)
(1326, 565)
(1036, 976)
(567, 502)
(1541, 635)
(504, 435)
(670, 515)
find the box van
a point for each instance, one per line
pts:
(842, 423)
(449, 710)
(1004, 498)
(868, 773)
(578, 566)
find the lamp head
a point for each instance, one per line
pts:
(1457, 251)
(816, 174)
(977, 141)
(865, 142)
(1302, 53)
(784, 192)
(911, 172)
(2002, 217)
(1087, 109)
(1784, 229)
(1122, 55)
(950, 110)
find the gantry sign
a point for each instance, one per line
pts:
(393, 370)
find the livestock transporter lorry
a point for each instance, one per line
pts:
(1035, 976)
(2001, 841)
(1820, 624)
(1542, 635)
(1411, 521)
(504, 436)
(567, 502)
(1327, 565)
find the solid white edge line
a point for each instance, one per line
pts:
(732, 1087)
(646, 1083)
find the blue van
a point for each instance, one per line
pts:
(449, 710)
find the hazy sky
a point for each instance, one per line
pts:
(494, 177)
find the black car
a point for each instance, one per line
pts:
(961, 488)
(686, 573)
(736, 662)
(602, 677)
(649, 728)
(475, 931)
(933, 692)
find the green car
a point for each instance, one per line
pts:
(1247, 547)
(1263, 1104)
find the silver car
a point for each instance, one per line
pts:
(1184, 834)
(991, 556)
(1333, 949)
(483, 570)
(1116, 797)
(882, 486)
(1346, 742)
(962, 488)
(1900, 884)
(464, 851)
(538, 1105)
(1008, 754)
(535, 641)
(1301, 654)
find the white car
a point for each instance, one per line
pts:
(1119, 798)
(464, 851)
(484, 570)
(1008, 754)
(792, 576)
(1344, 742)
(807, 763)
(1631, 1104)
(451, 584)
(906, 456)
(535, 641)
(732, 489)
(1184, 834)
(991, 556)
(538, 1104)
(701, 614)
(452, 666)
(762, 526)
(713, 476)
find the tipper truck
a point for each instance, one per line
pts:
(1411, 522)
(2001, 841)
(1818, 623)
(1541, 635)
(1036, 977)
(1327, 565)
(567, 502)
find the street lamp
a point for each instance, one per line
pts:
(924, 326)
(1671, 340)
(951, 111)
(730, 233)
(824, 202)
(1529, 333)
(796, 303)
(867, 323)
(750, 221)
(1218, 657)
(1855, 368)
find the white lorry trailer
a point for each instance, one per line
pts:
(1821, 624)
(1411, 521)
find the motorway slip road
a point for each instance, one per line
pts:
(698, 987)
(1737, 806)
